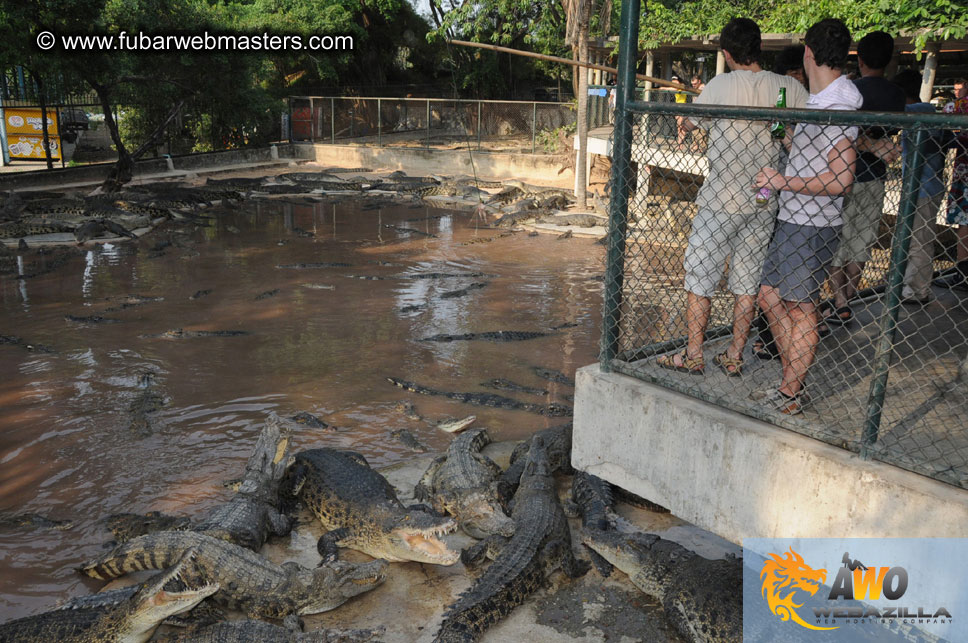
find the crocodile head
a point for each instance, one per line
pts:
(414, 535)
(481, 516)
(627, 551)
(335, 582)
(137, 619)
(537, 467)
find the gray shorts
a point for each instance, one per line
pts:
(798, 259)
(714, 237)
(863, 209)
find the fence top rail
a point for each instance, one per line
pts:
(436, 100)
(819, 116)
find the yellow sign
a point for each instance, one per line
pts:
(25, 133)
(22, 146)
(22, 120)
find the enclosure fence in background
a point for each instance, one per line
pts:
(886, 375)
(519, 126)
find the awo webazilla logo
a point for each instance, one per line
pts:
(787, 578)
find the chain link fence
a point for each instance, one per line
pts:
(733, 299)
(507, 126)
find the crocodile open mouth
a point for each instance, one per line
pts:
(427, 542)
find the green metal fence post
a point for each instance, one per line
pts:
(534, 124)
(379, 123)
(480, 125)
(428, 122)
(332, 119)
(619, 204)
(892, 301)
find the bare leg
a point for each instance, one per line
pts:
(802, 345)
(743, 311)
(779, 320)
(697, 318)
(962, 243)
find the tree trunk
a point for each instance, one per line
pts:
(581, 175)
(123, 170)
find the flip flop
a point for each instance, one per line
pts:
(731, 366)
(689, 365)
(838, 316)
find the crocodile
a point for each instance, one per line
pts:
(178, 333)
(309, 177)
(18, 230)
(30, 346)
(101, 227)
(580, 220)
(132, 619)
(409, 440)
(568, 234)
(248, 582)
(451, 294)
(126, 526)
(463, 483)
(413, 308)
(402, 177)
(486, 399)
(519, 216)
(418, 189)
(235, 182)
(309, 266)
(444, 275)
(501, 384)
(251, 515)
(311, 421)
(703, 598)
(251, 631)
(148, 401)
(282, 188)
(201, 293)
(489, 336)
(593, 501)
(552, 375)
(361, 510)
(267, 294)
(33, 520)
(541, 544)
(429, 235)
(132, 301)
(557, 441)
(91, 319)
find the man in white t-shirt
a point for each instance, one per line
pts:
(729, 223)
(820, 170)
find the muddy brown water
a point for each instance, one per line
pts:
(66, 450)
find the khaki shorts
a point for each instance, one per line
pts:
(743, 238)
(863, 209)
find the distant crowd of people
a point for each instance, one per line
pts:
(790, 212)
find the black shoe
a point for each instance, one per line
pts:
(955, 278)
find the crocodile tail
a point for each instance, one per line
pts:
(144, 552)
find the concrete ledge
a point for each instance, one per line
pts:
(741, 478)
(86, 174)
(528, 167)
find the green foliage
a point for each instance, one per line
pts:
(674, 20)
(551, 140)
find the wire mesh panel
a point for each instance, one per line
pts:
(798, 266)
(301, 119)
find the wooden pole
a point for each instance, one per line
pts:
(566, 61)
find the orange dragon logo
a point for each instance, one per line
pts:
(782, 577)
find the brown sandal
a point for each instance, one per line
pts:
(731, 366)
(696, 366)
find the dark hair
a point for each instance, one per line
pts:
(741, 38)
(876, 49)
(910, 81)
(788, 59)
(829, 41)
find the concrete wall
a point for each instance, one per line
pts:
(534, 167)
(98, 172)
(739, 477)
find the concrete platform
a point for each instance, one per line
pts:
(740, 477)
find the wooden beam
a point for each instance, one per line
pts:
(566, 61)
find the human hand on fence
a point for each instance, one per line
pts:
(769, 178)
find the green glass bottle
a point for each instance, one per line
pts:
(777, 130)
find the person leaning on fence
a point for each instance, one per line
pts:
(728, 222)
(820, 170)
(864, 206)
(958, 192)
(931, 189)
